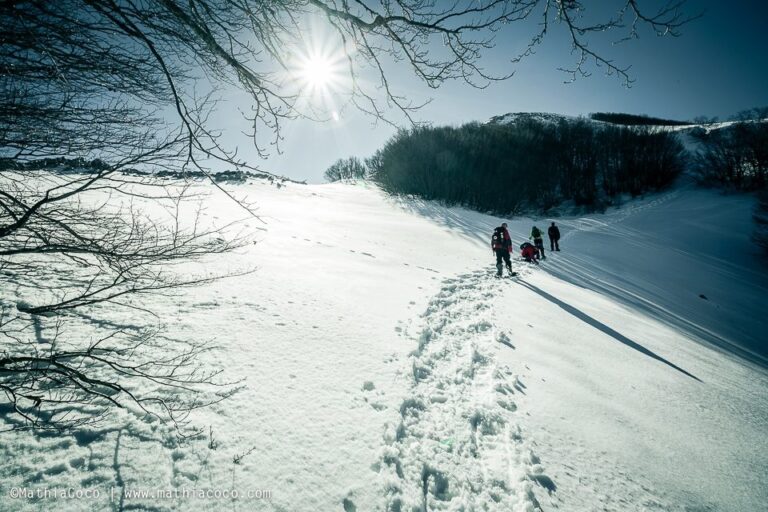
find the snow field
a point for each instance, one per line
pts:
(385, 368)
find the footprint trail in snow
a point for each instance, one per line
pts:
(456, 445)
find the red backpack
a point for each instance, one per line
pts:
(500, 239)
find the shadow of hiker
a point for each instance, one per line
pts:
(603, 328)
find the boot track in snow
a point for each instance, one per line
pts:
(457, 445)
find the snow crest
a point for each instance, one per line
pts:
(457, 445)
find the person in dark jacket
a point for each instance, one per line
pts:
(538, 241)
(554, 237)
(501, 243)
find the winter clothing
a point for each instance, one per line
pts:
(538, 241)
(554, 237)
(503, 254)
(501, 243)
(501, 239)
(529, 253)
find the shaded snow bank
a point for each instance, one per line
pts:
(685, 258)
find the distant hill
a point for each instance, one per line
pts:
(598, 117)
(634, 119)
(541, 117)
(63, 165)
(617, 118)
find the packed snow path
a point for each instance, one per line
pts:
(457, 444)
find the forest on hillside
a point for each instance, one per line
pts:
(528, 165)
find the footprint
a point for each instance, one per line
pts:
(545, 482)
(507, 404)
(349, 505)
(504, 340)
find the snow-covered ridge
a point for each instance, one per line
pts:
(543, 117)
(552, 118)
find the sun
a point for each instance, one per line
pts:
(317, 71)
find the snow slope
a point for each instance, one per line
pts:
(386, 368)
(685, 258)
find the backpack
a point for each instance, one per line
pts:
(497, 240)
(535, 233)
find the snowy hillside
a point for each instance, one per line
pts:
(542, 117)
(552, 118)
(387, 369)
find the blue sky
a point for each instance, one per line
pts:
(717, 67)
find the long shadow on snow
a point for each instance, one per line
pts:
(476, 227)
(752, 353)
(603, 328)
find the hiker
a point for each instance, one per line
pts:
(538, 241)
(529, 253)
(501, 243)
(554, 237)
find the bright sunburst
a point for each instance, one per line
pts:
(317, 71)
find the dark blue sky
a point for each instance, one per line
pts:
(717, 67)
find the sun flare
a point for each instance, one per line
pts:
(318, 71)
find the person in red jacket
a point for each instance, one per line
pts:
(501, 243)
(530, 253)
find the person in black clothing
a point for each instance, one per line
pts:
(501, 243)
(554, 237)
(538, 241)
